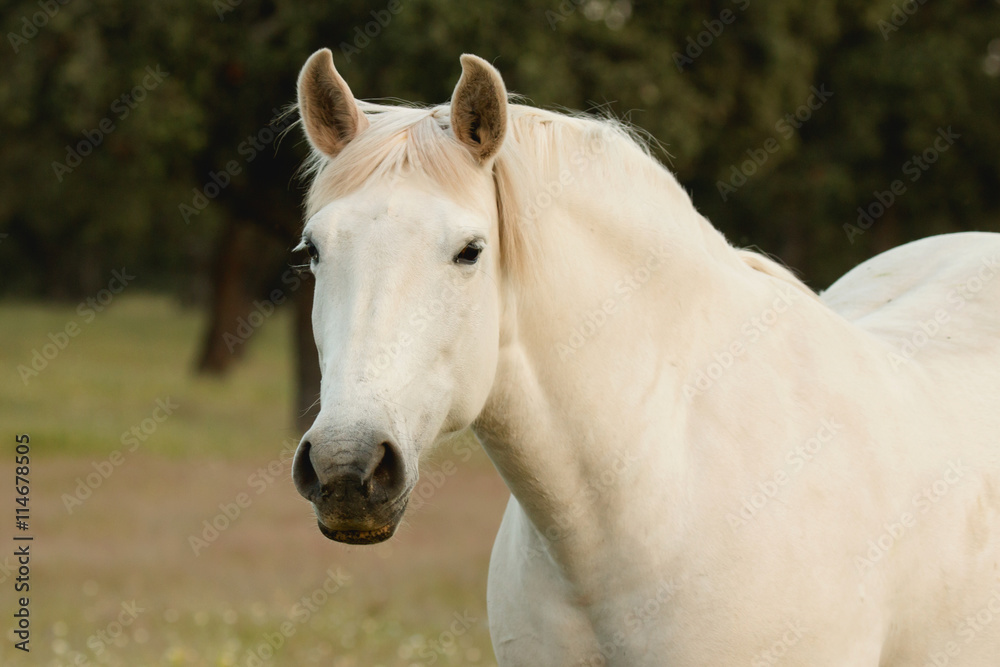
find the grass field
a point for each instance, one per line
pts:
(118, 574)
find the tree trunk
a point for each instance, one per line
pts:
(243, 260)
(307, 373)
(229, 300)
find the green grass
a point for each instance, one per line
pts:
(139, 349)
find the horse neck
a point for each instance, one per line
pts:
(630, 283)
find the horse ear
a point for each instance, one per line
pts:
(330, 114)
(479, 108)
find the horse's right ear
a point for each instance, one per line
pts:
(330, 114)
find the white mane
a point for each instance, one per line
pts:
(539, 147)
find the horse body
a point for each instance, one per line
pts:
(709, 465)
(906, 460)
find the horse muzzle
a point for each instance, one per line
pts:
(357, 485)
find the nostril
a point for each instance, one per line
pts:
(304, 474)
(389, 472)
(327, 476)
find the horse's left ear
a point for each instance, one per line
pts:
(330, 114)
(479, 108)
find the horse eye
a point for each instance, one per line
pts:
(312, 251)
(469, 254)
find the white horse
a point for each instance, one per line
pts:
(709, 464)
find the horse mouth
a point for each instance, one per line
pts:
(358, 536)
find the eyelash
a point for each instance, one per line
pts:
(310, 248)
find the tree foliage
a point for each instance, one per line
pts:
(712, 80)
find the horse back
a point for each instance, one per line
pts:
(934, 303)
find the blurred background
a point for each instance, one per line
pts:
(154, 325)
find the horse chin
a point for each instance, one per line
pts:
(355, 535)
